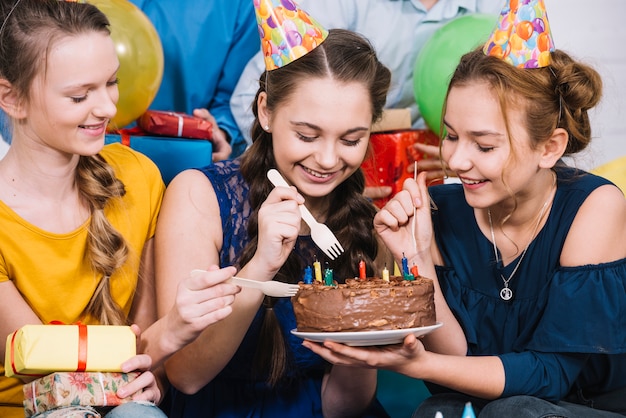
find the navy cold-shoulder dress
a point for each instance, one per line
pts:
(565, 327)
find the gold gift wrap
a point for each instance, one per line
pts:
(75, 388)
(36, 350)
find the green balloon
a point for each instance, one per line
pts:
(439, 57)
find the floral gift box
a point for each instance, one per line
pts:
(75, 388)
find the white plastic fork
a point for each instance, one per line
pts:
(320, 233)
(270, 288)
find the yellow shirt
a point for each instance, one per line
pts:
(52, 271)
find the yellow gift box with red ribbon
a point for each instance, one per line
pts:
(37, 350)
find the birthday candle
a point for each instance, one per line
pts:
(396, 269)
(308, 275)
(328, 277)
(317, 266)
(405, 265)
(414, 271)
(385, 274)
(362, 272)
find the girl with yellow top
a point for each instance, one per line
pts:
(77, 218)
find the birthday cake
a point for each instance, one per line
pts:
(371, 304)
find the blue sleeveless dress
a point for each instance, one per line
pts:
(234, 392)
(565, 327)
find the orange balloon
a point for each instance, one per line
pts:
(140, 52)
(305, 17)
(515, 42)
(497, 51)
(543, 42)
(524, 30)
(500, 37)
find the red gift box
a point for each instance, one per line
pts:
(175, 124)
(391, 154)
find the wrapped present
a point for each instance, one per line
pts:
(37, 350)
(392, 154)
(175, 124)
(75, 388)
(393, 120)
(171, 155)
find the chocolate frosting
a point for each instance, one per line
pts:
(365, 305)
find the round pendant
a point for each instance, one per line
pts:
(506, 293)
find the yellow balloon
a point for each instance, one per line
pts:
(140, 53)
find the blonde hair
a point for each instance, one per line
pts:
(107, 248)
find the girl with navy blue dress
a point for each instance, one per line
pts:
(313, 119)
(527, 254)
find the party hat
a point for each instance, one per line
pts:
(287, 32)
(522, 36)
(468, 411)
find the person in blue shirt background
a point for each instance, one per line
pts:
(206, 45)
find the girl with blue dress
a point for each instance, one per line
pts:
(312, 123)
(527, 254)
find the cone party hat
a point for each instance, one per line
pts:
(522, 36)
(286, 31)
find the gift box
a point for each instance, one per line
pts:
(75, 388)
(175, 124)
(171, 155)
(37, 350)
(391, 154)
(393, 120)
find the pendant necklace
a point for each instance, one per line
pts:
(506, 293)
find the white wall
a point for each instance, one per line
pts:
(4, 147)
(595, 32)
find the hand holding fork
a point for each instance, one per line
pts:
(320, 233)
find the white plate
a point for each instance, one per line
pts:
(365, 338)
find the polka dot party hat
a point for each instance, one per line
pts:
(287, 32)
(522, 36)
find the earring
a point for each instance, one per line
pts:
(266, 127)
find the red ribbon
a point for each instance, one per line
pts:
(125, 134)
(82, 349)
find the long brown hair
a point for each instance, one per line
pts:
(346, 57)
(29, 30)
